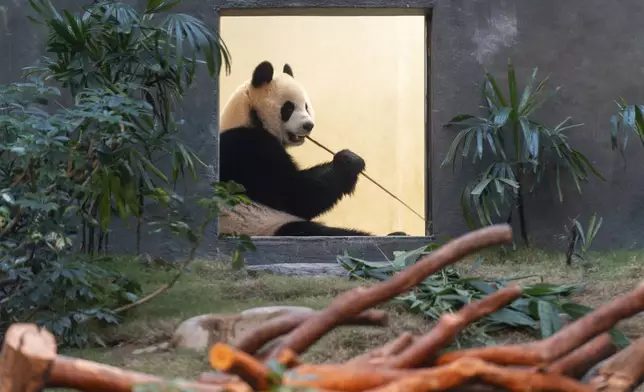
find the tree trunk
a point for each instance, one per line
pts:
(139, 221)
(520, 208)
(571, 246)
(91, 243)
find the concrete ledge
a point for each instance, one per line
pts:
(311, 250)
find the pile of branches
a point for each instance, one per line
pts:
(580, 357)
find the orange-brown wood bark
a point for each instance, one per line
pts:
(288, 358)
(463, 370)
(578, 362)
(623, 371)
(274, 328)
(90, 376)
(228, 359)
(364, 378)
(379, 355)
(28, 353)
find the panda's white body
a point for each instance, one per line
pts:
(254, 219)
(263, 117)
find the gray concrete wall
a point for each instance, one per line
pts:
(595, 52)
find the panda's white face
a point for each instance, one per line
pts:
(297, 122)
(281, 104)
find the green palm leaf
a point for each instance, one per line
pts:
(499, 185)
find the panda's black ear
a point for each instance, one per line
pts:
(262, 74)
(288, 70)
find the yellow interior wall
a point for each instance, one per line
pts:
(365, 78)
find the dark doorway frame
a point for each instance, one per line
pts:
(324, 249)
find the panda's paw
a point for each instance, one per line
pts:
(349, 161)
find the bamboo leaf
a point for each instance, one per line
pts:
(480, 187)
(639, 121)
(450, 156)
(586, 162)
(467, 144)
(527, 91)
(512, 318)
(509, 182)
(512, 86)
(458, 119)
(530, 136)
(153, 168)
(497, 96)
(491, 142)
(465, 208)
(548, 318)
(594, 228)
(158, 6)
(501, 116)
(614, 121)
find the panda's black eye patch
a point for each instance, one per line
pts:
(287, 110)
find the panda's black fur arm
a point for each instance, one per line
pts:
(251, 156)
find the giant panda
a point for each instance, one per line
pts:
(263, 117)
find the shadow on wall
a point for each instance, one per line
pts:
(365, 78)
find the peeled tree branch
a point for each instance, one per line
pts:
(405, 364)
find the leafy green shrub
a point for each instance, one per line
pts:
(140, 55)
(41, 209)
(64, 174)
(518, 147)
(581, 241)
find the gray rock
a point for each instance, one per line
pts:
(277, 309)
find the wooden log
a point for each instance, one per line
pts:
(26, 358)
(230, 360)
(379, 355)
(454, 376)
(90, 376)
(623, 371)
(577, 363)
(464, 370)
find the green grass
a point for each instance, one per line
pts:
(212, 287)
